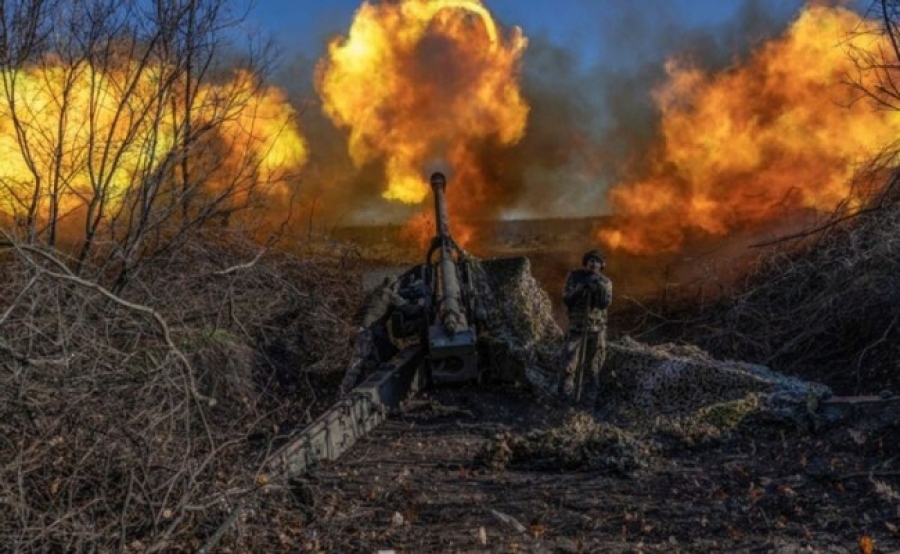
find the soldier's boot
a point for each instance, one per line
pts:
(590, 393)
(566, 387)
(351, 377)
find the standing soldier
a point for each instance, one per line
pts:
(587, 295)
(372, 339)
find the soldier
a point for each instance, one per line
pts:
(372, 339)
(587, 295)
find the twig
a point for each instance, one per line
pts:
(220, 531)
(67, 275)
(815, 230)
(880, 340)
(246, 265)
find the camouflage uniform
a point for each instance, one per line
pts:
(372, 340)
(586, 295)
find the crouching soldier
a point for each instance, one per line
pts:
(373, 342)
(587, 295)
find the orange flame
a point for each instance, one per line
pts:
(84, 132)
(422, 80)
(739, 148)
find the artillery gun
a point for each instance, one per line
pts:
(448, 341)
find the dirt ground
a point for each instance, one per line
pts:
(422, 483)
(449, 473)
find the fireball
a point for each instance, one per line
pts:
(745, 147)
(415, 81)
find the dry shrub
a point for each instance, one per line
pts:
(225, 368)
(580, 443)
(140, 421)
(822, 304)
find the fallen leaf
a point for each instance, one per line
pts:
(397, 519)
(537, 529)
(858, 436)
(866, 545)
(509, 520)
(787, 491)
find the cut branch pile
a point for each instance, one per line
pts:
(138, 421)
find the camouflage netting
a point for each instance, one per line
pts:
(579, 443)
(642, 381)
(650, 393)
(684, 381)
(520, 314)
(668, 390)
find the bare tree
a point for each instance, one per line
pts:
(133, 367)
(127, 130)
(877, 61)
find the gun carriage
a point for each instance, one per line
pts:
(446, 339)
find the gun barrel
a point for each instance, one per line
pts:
(442, 221)
(453, 317)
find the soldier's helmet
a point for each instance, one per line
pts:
(389, 282)
(592, 254)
